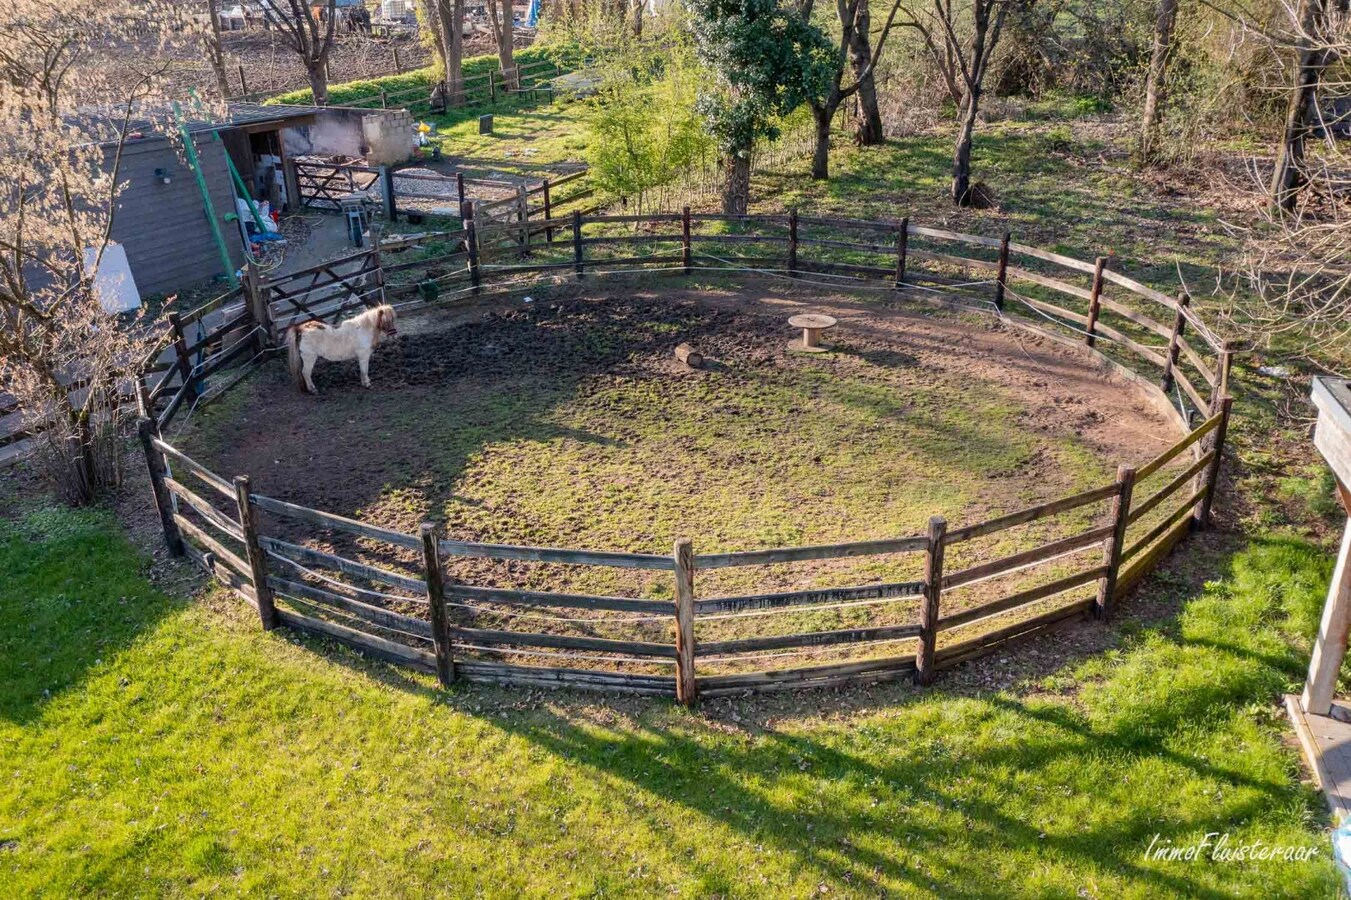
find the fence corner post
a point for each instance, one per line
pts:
(1179, 323)
(436, 602)
(1220, 389)
(181, 354)
(154, 460)
(686, 685)
(1001, 277)
(1202, 515)
(1111, 548)
(259, 308)
(686, 253)
(577, 241)
(253, 548)
(1095, 302)
(933, 589)
(902, 249)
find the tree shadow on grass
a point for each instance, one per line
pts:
(72, 594)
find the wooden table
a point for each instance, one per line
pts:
(812, 324)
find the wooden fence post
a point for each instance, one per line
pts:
(398, 64)
(1221, 387)
(933, 589)
(577, 241)
(181, 352)
(523, 216)
(1179, 323)
(471, 243)
(792, 243)
(686, 685)
(686, 255)
(1001, 277)
(154, 461)
(548, 213)
(243, 85)
(1111, 548)
(248, 523)
(1095, 301)
(256, 283)
(902, 249)
(387, 191)
(436, 602)
(1202, 515)
(492, 90)
(459, 191)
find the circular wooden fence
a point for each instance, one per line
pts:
(397, 602)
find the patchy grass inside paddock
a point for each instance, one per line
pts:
(157, 747)
(571, 424)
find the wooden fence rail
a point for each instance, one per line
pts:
(424, 619)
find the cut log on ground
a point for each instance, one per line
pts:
(689, 356)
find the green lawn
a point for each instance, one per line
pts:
(158, 747)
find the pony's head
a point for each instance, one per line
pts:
(384, 320)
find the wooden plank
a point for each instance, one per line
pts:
(1021, 598)
(1052, 310)
(223, 553)
(1169, 489)
(1052, 283)
(982, 644)
(205, 510)
(562, 642)
(1031, 514)
(375, 615)
(552, 677)
(785, 599)
(809, 639)
(950, 260)
(1027, 557)
(1197, 361)
(1140, 319)
(1068, 262)
(338, 523)
(558, 555)
(1174, 451)
(570, 601)
(378, 647)
(804, 675)
(944, 234)
(298, 554)
(801, 554)
(1177, 516)
(1142, 566)
(1181, 380)
(209, 563)
(202, 472)
(1133, 345)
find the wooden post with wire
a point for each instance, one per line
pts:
(1179, 324)
(902, 249)
(792, 243)
(181, 352)
(1111, 548)
(471, 243)
(436, 604)
(1001, 277)
(164, 504)
(686, 254)
(248, 523)
(577, 260)
(686, 684)
(1095, 301)
(548, 213)
(928, 614)
(1212, 475)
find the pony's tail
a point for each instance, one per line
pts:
(293, 356)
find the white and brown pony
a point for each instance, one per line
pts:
(353, 339)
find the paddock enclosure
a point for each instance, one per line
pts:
(1003, 439)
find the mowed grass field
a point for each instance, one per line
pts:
(155, 746)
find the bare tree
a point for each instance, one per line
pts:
(1319, 41)
(966, 36)
(824, 107)
(311, 36)
(63, 124)
(215, 49)
(1154, 84)
(868, 129)
(503, 30)
(444, 19)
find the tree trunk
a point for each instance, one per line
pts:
(215, 52)
(961, 157)
(1154, 85)
(868, 126)
(736, 189)
(502, 25)
(638, 18)
(1289, 176)
(821, 115)
(318, 83)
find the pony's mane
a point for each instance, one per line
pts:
(370, 317)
